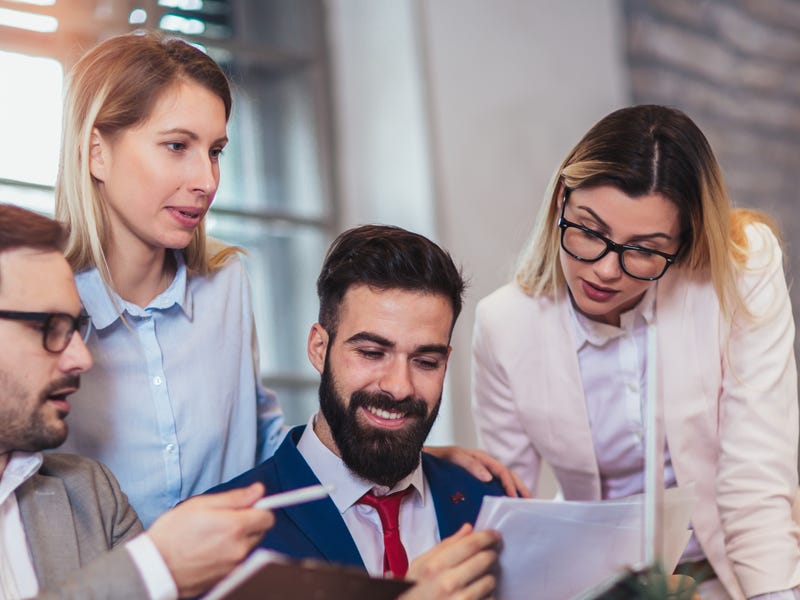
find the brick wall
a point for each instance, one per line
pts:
(734, 67)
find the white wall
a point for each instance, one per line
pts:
(382, 153)
(382, 146)
(451, 116)
(513, 85)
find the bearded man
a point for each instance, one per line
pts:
(66, 529)
(389, 300)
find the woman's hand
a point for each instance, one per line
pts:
(482, 466)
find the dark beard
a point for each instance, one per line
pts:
(24, 426)
(380, 456)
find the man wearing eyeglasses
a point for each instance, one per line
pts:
(66, 529)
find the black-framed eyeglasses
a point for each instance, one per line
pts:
(57, 328)
(587, 245)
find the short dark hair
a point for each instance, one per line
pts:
(21, 228)
(385, 257)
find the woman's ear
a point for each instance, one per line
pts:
(317, 348)
(98, 155)
(561, 188)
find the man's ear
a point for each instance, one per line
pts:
(98, 155)
(317, 346)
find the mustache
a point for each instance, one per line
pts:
(68, 382)
(408, 406)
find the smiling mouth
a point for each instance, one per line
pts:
(384, 414)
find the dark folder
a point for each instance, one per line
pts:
(267, 575)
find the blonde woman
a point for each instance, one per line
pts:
(174, 404)
(636, 246)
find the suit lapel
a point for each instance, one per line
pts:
(320, 521)
(456, 500)
(47, 518)
(555, 380)
(689, 372)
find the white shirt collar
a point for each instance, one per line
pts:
(21, 467)
(105, 306)
(598, 334)
(347, 486)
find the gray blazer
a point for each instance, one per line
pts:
(76, 519)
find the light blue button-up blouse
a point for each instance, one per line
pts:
(174, 404)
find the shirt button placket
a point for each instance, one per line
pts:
(163, 407)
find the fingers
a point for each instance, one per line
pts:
(480, 465)
(453, 551)
(462, 532)
(447, 587)
(231, 510)
(484, 467)
(508, 483)
(236, 506)
(256, 521)
(459, 548)
(203, 538)
(506, 477)
(495, 469)
(479, 589)
(522, 489)
(237, 498)
(512, 484)
(458, 568)
(472, 578)
(463, 458)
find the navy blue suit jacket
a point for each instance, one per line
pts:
(317, 530)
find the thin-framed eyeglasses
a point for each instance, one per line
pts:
(57, 328)
(587, 245)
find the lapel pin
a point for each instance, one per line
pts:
(457, 497)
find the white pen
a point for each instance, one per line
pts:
(298, 496)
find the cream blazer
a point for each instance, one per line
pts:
(728, 388)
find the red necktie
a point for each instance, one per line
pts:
(395, 560)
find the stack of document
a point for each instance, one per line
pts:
(555, 550)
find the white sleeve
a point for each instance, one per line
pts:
(151, 566)
(757, 470)
(496, 417)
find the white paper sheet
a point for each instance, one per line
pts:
(555, 550)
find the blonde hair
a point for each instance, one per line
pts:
(645, 150)
(114, 87)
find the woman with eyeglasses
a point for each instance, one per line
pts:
(639, 268)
